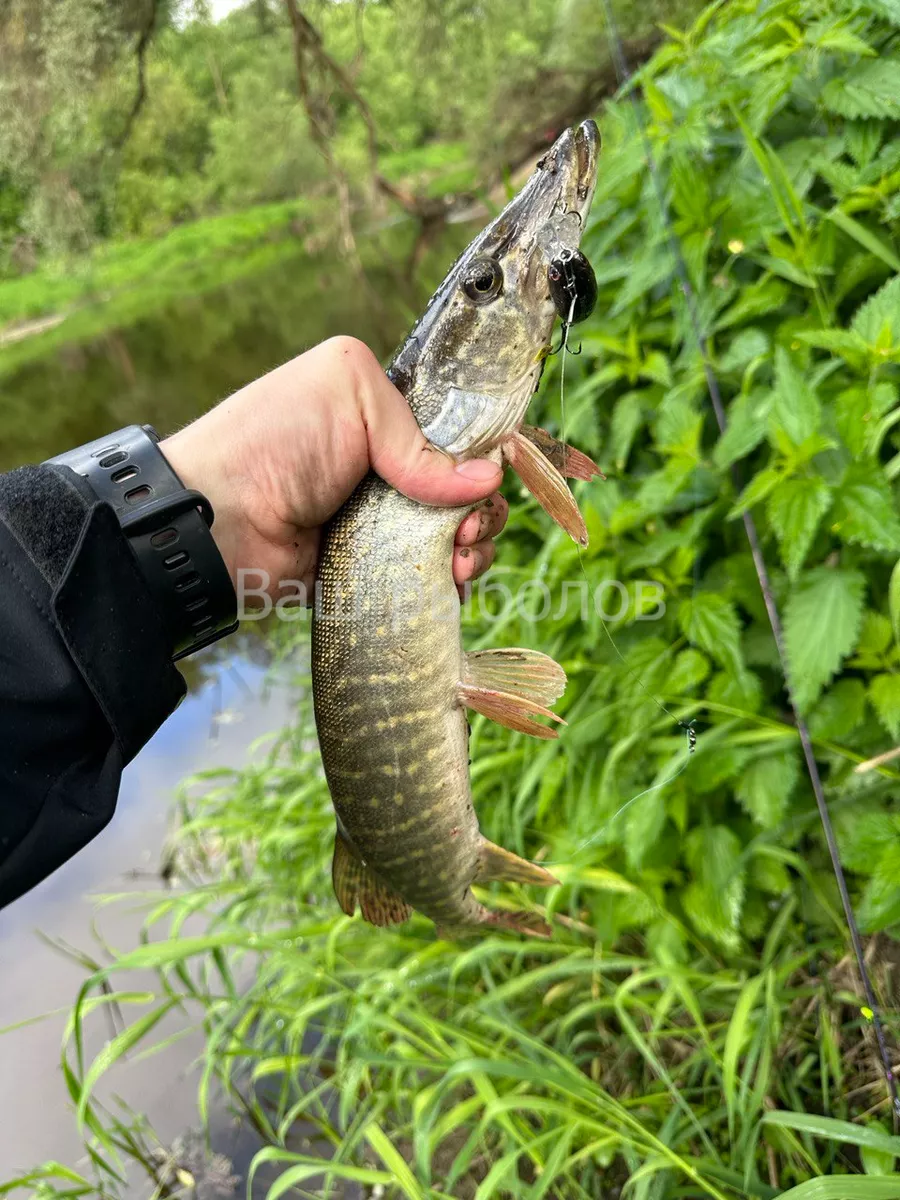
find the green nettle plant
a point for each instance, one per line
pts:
(695, 1027)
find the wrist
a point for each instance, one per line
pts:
(197, 470)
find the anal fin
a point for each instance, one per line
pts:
(524, 672)
(546, 484)
(356, 883)
(572, 463)
(500, 864)
(529, 924)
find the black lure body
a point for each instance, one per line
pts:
(573, 286)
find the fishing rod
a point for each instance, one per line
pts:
(872, 1011)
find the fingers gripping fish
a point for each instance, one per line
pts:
(391, 681)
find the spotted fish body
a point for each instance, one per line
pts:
(391, 681)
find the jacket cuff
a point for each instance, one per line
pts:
(101, 604)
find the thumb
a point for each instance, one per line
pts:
(401, 455)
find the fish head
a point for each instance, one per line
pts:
(472, 362)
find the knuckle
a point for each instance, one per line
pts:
(351, 352)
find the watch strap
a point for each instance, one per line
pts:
(168, 529)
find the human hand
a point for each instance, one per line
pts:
(279, 457)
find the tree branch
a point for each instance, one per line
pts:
(143, 43)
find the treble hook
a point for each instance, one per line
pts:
(564, 344)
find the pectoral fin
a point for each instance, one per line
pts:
(525, 673)
(356, 883)
(567, 460)
(546, 484)
(497, 863)
(506, 708)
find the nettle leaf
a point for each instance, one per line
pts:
(743, 691)
(867, 90)
(853, 417)
(627, 418)
(821, 625)
(840, 710)
(864, 511)
(747, 417)
(766, 784)
(644, 823)
(715, 766)
(880, 904)
(769, 875)
(796, 409)
(881, 312)
(715, 899)
(874, 637)
(795, 507)
(689, 669)
(862, 834)
(884, 694)
(677, 427)
(649, 270)
(743, 348)
(711, 622)
(760, 299)
(844, 342)
(863, 139)
(659, 488)
(657, 368)
(757, 489)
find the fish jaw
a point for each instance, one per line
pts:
(471, 364)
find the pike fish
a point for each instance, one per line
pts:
(391, 682)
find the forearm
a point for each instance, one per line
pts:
(85, 670)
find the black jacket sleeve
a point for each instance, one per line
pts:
(85, 670)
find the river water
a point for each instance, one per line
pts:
(238, 703)
(164, 370)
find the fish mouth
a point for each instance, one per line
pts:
(571, 163)
(549, 213)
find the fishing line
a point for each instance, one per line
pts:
(871, 1012)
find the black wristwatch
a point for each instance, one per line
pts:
(168, 528)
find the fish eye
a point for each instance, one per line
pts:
(483, 280)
